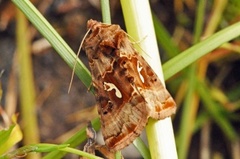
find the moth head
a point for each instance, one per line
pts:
(93, 24)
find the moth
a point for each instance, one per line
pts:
(127, 90)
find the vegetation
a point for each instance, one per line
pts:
(199, 60)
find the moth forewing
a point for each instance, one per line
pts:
(127, 90)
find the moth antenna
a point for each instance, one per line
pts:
(75, 62)
(137, 42)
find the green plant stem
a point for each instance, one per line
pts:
(198, 27)
(143, 149)
(27, 90)
(29, 149)
(81, 153)
(191, 102)
(188, 115)
(217, 10)
(138, 20)
(106, 16)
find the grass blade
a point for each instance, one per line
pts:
(192, 54)
(54, 39)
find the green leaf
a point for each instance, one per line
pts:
(9, 137)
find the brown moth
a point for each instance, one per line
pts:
(127, 90)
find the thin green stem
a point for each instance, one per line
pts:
(26, 82)
(106, 15)
(143, 149)
(188, 115)
(198, 27)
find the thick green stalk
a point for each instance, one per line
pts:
(138, 19)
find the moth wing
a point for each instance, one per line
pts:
(156, 96)
(122, 110)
